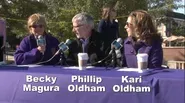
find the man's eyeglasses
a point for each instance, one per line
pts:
(77, 26)
(128, 24)
(35, 26)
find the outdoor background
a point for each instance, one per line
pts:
(60, 12)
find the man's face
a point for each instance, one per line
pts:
(81, 30)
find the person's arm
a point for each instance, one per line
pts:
(118, 35)
(101, 25)
(156, 56)
(25, 56)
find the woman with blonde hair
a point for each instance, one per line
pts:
(142, 38)
(32, 48)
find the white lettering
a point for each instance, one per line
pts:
(28, 78)
(131, 88)
(46, 78)
(85, 88)
(73, 78)
(126, 79)
(116, 88)
(86, 79)
(40, 89)
(53, 79)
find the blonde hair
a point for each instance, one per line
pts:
(36, 19)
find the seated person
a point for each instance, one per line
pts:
(88, 40)
(142, 38)
(30, 51)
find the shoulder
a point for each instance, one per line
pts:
(28, 38)
(157, 44)
(51, 38)
(102, 22)
(157, 40)
(75, 44)
(96, 35)
(48, 35)
(127, 40)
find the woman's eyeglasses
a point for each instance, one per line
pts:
(128, 24)
(35, 26)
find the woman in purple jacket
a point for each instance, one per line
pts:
(142, 38)
(32, 48)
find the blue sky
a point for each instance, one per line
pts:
(181, 10)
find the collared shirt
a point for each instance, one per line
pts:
(84, 44)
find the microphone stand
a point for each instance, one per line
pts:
(62, 60)
(114, 60)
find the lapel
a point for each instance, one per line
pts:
(79, 44)
(92, 42)
(33, 42)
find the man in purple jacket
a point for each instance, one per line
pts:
(142, 38)
(33, 49)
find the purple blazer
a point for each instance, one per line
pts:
(154, 52)
(27, 52)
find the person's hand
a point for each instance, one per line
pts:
(42, 48)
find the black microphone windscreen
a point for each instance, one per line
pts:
(68, 41)
(65, 46)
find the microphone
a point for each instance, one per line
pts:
(41, 41)
(116, 44)
(115, 53)
(63, 47)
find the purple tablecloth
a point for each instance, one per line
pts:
(167, 86)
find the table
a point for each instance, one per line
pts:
(167, 85)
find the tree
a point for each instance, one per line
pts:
(60, 13)
(159, 8)
(16, 12)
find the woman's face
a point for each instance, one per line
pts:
(37, 29)
(130, 27)
(113, 13)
